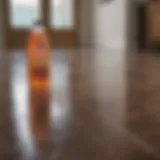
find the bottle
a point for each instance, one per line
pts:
(38, 58)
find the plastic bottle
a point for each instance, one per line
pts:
(38, 58)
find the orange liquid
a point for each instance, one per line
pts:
(38, 60)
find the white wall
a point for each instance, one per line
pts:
(110, 24)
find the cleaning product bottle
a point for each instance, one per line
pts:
(38, 58)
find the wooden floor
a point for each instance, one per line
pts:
(105, 105)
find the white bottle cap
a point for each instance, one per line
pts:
(38, 27)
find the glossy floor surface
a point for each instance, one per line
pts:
(104, 105)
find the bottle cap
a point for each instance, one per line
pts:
(38, 26)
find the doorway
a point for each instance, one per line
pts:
(137, 25)
(60, 17)
(142, 26)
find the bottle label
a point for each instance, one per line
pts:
(41, 48)
(40, 70)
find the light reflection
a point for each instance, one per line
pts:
(61, 107)
(113, 77)
(60, 113)
(20, 107)
(39, 113)
(57, 117)
(61, 104)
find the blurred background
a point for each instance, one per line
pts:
(118, 24)
(103, 101)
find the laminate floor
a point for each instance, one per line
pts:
(104, 105)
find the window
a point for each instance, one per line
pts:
(62, 12)
(23, 13)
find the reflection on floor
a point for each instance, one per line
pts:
(104, 105)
